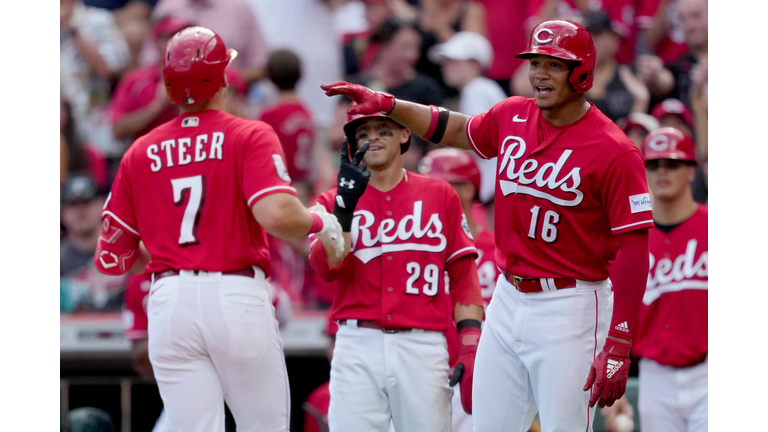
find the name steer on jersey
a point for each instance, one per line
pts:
(671, 335)
(391, 303)
(191, 206)
(571, 193)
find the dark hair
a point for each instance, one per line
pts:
(284, 69)
(389, 29)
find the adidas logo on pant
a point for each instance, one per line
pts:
(613, 367)
(623, 327)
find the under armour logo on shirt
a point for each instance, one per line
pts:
(344, 183)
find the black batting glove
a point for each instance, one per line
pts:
(351, 183)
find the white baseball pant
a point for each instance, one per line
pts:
(214, 337)
(376, 376)
(536, 350)
(673, 399)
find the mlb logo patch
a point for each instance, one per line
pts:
(190, 122)
(640, 203)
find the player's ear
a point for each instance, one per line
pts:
(405, 135)
(691, 173)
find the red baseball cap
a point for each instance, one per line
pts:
(669, 143)
(675, 107)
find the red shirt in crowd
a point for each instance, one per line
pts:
(136, 90)
(293, 125)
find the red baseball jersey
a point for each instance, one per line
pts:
(402, 242)
(293, 125)
(136, 90)
(135, 309)
(672, 327)
(320, 400)
(562, 193)
(187, 187)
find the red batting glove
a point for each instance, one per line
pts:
(609, 373)
(366, 100)
(465, 366)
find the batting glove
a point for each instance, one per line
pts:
(352, 181)
(331, 232)
(469, 337)
(368, 101)
(608, 373)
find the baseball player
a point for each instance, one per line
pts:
(201, 192)
(391, 360)
(570, 193)
(671, 331)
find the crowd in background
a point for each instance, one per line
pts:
(651, 72)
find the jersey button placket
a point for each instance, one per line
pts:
(519, 231)
(389, 198)
(390, 289)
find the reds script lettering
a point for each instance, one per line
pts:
(373, 247)
(546, 175)
(669, 275)
(184, 146)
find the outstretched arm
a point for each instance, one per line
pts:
(423, 120)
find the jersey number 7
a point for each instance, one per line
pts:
(194, 187)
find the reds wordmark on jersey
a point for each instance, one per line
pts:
(401, 243)
(169, 178)
(672, 327)
(559, 204)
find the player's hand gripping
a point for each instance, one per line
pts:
(469, 337)
(367, 100)
(608, 373)
(351, 184)
(331, 233)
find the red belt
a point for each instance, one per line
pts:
(372, 325)
(532, 285)
(248, 272)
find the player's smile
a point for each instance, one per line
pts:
(549, 79)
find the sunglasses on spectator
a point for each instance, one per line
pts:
(670, 164)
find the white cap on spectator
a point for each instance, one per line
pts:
(463, 46)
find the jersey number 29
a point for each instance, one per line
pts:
(194, 188)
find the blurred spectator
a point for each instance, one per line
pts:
(80, 158)
(394, 69)
(291, 24)
(441, 19)
(140, 102)
(700, 105)
(233, 20)
(694, 22)
(358, 48)
(662, 34)
(290, 119)
(83, 287)
(235, 99)
(637, 126)
(318, 401)
(506, 31)
(615, 90)
(132, 17)
(464, 58)
(674, 113)
(93, 51)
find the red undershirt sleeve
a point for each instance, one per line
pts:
(630, 273)
(465, 284)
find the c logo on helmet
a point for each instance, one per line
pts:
(543, 41)
(659, 143)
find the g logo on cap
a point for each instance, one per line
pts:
(659, 143)
(543, 41)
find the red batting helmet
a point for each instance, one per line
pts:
(350, 127)
(451, 165)
(669, 143)
(193, 66)
(568, 41)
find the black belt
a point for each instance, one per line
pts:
(248, 272)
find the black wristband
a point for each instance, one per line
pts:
(442, 124)
(344, 217)
(465, 323)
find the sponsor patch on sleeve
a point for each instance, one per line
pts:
(465, 226)
(640, 203)
(280, 168)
